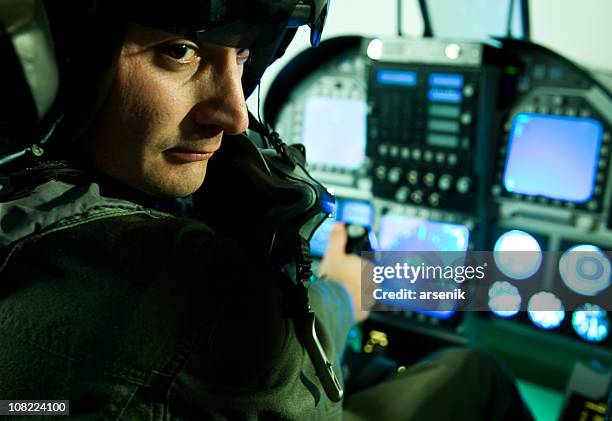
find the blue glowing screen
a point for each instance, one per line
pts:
(553, 156)
(550, 318)
(356, 212)
(451, 96)
(350, 212)
(334, 131)
(445, 80)
(396, 77)
(405, 233)
(591, 322)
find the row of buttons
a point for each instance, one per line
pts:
(331, 168)
(405, 152)
(568, 111)
(405, 194)
(592, 205)
(406, 209)
(443, 182)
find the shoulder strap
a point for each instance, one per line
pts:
(57, 205)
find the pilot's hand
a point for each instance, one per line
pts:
(346, 269)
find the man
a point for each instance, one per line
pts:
(133, 313)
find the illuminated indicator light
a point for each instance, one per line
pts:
(585, 269)
(450, 96)
(445, 80)
(511, 70)
(396, 77)
(452, 51)
(546, 310)
(504, 299)
(375, 49)
(517, 254)
(591, 322)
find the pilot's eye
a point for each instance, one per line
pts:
(183, 53)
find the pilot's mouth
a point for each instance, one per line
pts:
(190, 155)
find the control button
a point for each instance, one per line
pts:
(570, 111)
(543, 109)
(606, 137)
(434, 199)
(557, 100)
(428, 156)
(466, 118)
(600, 177)
(602, 163)
(468, 91)
(592, 205)
(417, 196)
(383, 149)
(463, 184)
(465, 142)
(452, 159)
(604, 150)
(412, 177)
(585, 113)
(496, 190)
(539, 71)
(598, 189)
(394, 151)
(380, 172)
(394, 175)
(405, 152)
(584, 222)
(557, 111)
(445, 182)
(440, 157)
(556, 73)
(530, 108)
(416, 154)
(429, 179)
(402, 194)
(424, 213)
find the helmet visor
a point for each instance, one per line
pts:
(232, 23)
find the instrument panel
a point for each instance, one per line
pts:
(505, 144)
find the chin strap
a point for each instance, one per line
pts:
(305, 321)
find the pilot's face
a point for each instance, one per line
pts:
(170, 103)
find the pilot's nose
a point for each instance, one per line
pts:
(222, 101)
